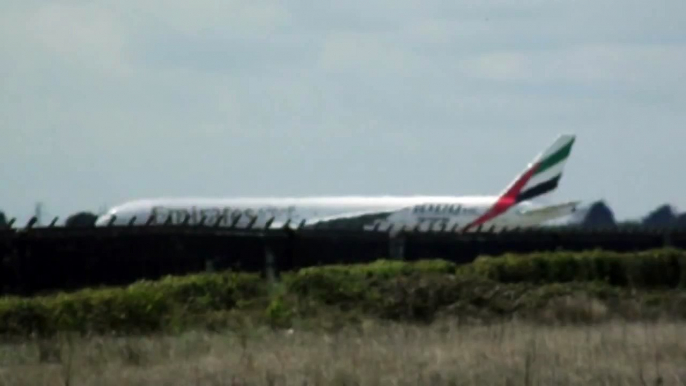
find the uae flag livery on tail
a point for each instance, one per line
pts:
(541, 177)
(545, 172)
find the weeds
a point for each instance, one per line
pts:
(382, 353)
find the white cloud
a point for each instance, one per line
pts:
(367, 53)
(628, 66)
(239, 18)
(79, 37)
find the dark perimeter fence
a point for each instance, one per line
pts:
(44, 259)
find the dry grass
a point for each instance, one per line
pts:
(446, 353)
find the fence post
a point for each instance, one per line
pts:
(666, 238)
(269, 262)
(396, 246)
(209, 265)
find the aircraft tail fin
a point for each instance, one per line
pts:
(543, 174)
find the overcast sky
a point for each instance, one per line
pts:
(108, 101)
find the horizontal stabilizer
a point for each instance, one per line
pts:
(552, 211)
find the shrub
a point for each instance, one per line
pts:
(658, 268)
(141, 307)
(346, 285)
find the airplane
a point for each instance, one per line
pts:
(517, 206)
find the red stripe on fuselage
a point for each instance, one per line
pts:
(506, 201)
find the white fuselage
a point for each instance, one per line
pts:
(426, 212)
(513, 207)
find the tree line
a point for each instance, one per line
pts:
(599, 214)
(83, 218)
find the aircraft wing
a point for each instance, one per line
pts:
(351, 219)
(350, 215)
(551, 211)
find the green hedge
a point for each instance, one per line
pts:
(386, 289)
(141, 307)
(659, 268)
(350, 284)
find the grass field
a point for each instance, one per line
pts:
(374, 353)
